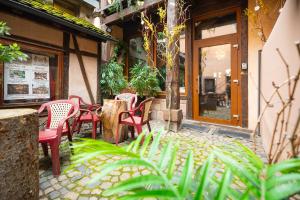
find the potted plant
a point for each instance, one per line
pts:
(144, 80)
(112, 79)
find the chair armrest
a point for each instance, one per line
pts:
(98, 109)
(63, 121)
(129, 112)
(94, 106)
(42, 108)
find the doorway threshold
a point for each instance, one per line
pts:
(219, 129)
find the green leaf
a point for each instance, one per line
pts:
(186, 177)
(165, 155)
(282, 179)
(284, 166)
(283, 191)
(224, 185)
(204, 177)
(133, 183)
(172, 163)
(251, 156)
(154, 146)
(237, 168)
(137, 143)
(160, 194)
(146, 144)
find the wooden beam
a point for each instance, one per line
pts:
(99, 93)
(20, 39)
(83, 72)
(1, 83)
(66, 63)
(244, 59)
(130, 11)
(189, 63)
(172, 79)
(85, 53)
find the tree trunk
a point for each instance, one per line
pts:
(172, 79)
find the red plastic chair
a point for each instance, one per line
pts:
(59, 112)
(134, 120)
(130, 98)
(88, 114)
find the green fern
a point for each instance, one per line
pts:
(233, 172)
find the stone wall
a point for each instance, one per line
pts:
(19, 162)
(159, 105)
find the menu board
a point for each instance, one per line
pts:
(27, 79)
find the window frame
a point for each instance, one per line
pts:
(39, 50)
(161, 94)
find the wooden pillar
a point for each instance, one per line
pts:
(66, 63)
(172, 79)
(99, 53)
(189, 62)
(244, 59)
(173, 115)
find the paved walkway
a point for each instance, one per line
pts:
(72, 184)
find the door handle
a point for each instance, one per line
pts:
(236, 81)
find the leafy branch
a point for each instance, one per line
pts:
(168, 31)
(9, 53)
(231, 171)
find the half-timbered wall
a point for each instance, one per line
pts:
(39, 37)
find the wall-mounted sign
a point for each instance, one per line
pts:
(27, 79)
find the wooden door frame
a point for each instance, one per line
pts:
(224, 39)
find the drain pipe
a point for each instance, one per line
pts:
(259, 88)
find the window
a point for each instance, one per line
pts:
(182, 63)
(136, 52)
(217, 26)
(32, 80)
(161, 64)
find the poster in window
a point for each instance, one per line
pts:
(27, 79)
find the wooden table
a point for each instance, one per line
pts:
(110, 114)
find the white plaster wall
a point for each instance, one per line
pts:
(284, 35)
(76, 82)
(254, 45)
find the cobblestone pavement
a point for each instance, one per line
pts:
(73, 184)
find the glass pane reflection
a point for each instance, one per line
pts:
(214, 81)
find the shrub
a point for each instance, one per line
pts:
(112, 79)
(144, 80)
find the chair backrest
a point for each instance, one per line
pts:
(78, 101)
(58, 110)
(145, 108)
(130, 98)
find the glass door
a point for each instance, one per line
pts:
(215, 71)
